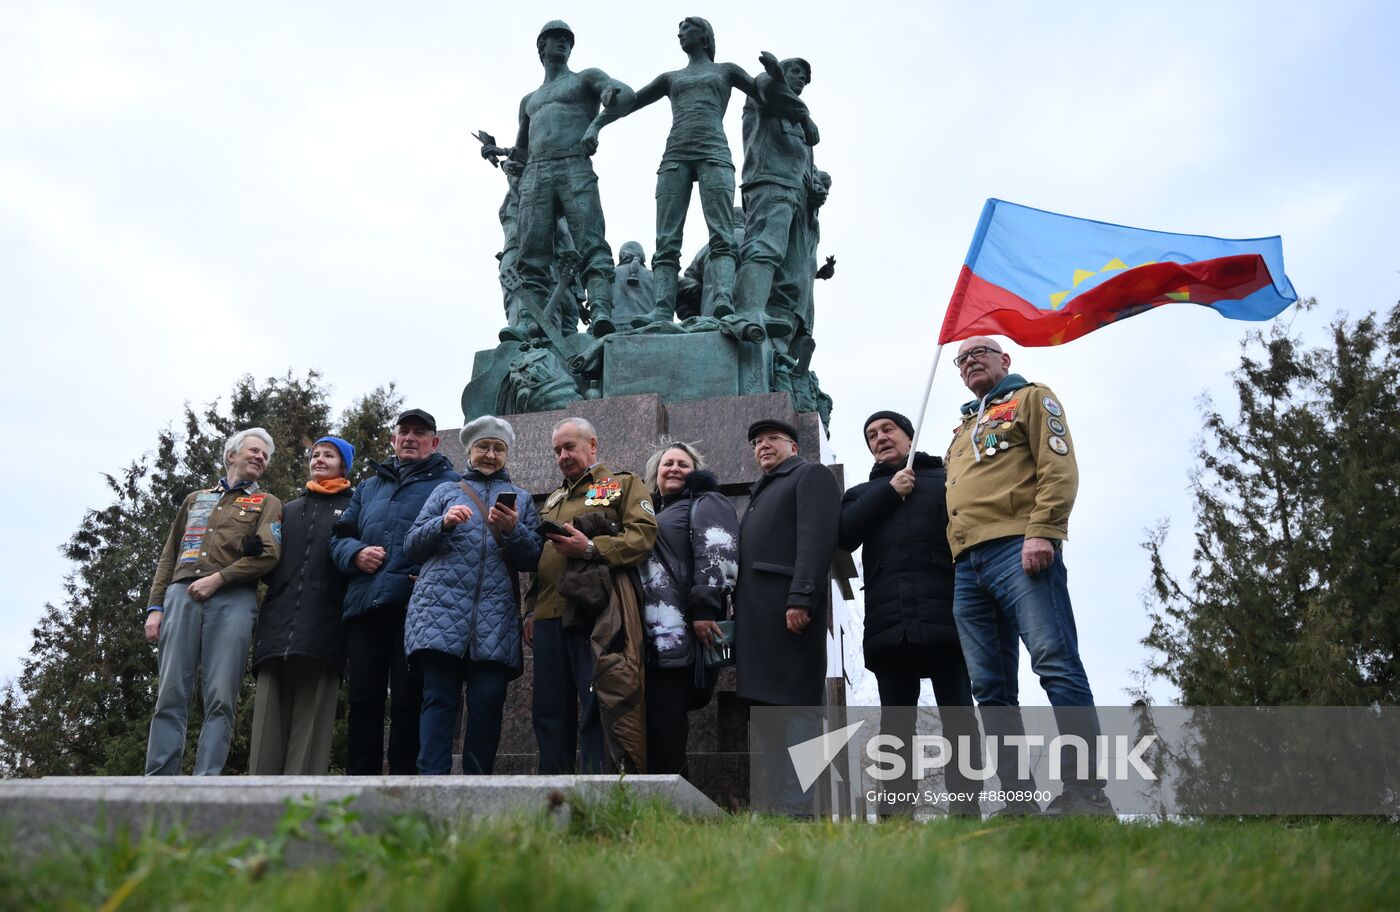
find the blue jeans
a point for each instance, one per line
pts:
(994, 603)
(443, 677)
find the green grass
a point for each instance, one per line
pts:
(628, 855)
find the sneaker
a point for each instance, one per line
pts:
(1074, 803)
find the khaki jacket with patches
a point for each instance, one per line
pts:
(208, 537)
(1027, 486)
(627, 503)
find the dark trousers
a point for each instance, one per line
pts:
(668, 717)
(899, 672)
(564, 707)
(783, 792)
(443, 677)
(376, 664)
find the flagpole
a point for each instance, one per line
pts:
(919, 418)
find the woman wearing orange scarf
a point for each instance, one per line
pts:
(299, 644)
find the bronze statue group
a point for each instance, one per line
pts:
(752, 280)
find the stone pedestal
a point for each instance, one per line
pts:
(672, 367)
(629, 429)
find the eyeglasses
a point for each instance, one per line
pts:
(975, 352)
(481, 446)
(768, 438)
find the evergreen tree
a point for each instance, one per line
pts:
(83, 700)
(369, 425)
(1294, 597)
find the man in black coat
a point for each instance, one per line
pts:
(787, 539)
(900, 516)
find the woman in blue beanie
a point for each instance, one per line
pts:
(299, 644)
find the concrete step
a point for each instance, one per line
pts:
(41, 809)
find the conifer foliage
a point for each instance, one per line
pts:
(1294, 597)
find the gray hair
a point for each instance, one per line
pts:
(235, 443)
(654, 461)
(581, 423)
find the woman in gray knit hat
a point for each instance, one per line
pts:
(463, 623)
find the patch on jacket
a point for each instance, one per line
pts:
(252, 500)
(196, 525)
(554, 499)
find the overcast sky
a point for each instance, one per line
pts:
(190, 192)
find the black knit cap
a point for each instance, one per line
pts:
(904, 424)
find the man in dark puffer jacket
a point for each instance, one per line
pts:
(900, 516)
(368, 545)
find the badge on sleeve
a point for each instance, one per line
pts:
(1056, 426)
(1059, 446)
(646, 506)
(1052, 407)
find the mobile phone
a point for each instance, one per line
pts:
(506, 499)
(550, 527)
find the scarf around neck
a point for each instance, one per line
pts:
(331, 486)
(1009, 383)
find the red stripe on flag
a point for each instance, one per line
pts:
(979, 307)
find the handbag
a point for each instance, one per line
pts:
(720, 653)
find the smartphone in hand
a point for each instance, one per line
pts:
(506, 499)
(550, 527)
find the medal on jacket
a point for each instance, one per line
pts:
(601, 493)
(991, 444)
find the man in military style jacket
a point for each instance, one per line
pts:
(203, 602)
(565, 708)
(1011, 484)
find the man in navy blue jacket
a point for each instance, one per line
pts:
(368, 545)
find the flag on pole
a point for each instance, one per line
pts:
(1040, 278)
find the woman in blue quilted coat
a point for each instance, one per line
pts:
(463, 623)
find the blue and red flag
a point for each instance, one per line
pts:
(1040, 278)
